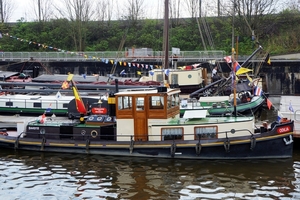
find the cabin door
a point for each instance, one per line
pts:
(140, 119)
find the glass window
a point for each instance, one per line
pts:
(172, 133)
(139, 103)
(124, 102)
(159, 77)
(156, 102)
(208, 132)
(37, 105)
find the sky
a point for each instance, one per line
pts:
(23, 8)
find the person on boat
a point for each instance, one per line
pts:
(214, 74)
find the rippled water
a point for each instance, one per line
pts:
(27, 175)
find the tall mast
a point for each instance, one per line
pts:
(166, 39)
(233, 61)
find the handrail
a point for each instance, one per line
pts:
(108, 55)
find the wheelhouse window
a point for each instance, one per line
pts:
(156, 102)
(208, 132)
(139, 103)
(172, 133)
(124, 102)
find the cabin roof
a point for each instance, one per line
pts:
(76, 78)
(7, 74)
(137, 91)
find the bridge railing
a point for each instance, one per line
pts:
(114, 55)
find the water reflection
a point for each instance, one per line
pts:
(27, 175)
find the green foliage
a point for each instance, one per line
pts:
(276, 33)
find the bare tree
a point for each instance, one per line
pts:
(134, 9)
(43, 9)
(193, 7)
(78, 12)
(175, 10)
(104, 10)
(7, 8)
(251, 14)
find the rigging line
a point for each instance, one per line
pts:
(201, 35)
(45, 68)
(208, 33)
(119, 50)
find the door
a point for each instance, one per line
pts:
(140, 119)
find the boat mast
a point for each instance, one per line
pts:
(233, 61)
(166, 40)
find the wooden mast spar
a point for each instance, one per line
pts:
(166, 41)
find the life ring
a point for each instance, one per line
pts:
(94, 133)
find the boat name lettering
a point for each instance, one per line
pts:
(33, 128)
(284, 129)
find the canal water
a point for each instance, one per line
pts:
(34, 176)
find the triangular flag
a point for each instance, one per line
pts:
(269, 104)
(243, 70)
(58, 95)
(268, 60)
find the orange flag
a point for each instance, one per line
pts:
(269, 104)
(65, 85)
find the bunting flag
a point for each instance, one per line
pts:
(151, 73)
(228, 59)
(84, 76)
(236, 66)
(139, 72)
(58, 95)
(291, 107)
(268, 60)
(167, 72)
(123, 72)
(257, 91)
(269, 104)
(243, 70)
(279, 116)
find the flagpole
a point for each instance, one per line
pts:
(232, 62)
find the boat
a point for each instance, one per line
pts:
(223, 105)
(146, 123)
(37, 104)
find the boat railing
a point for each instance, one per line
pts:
(175, 138)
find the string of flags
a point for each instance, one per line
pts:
(86, 56)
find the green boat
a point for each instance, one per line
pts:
(221, 105)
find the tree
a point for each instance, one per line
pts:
(7, 8)
(104, 10)
(43, 9)
(134, 10)
(79, 12)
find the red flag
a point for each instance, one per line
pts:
(269, 104)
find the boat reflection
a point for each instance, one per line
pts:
(80, 176)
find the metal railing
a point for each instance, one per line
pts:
(108, 55)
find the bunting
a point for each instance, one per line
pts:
(268, 60)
